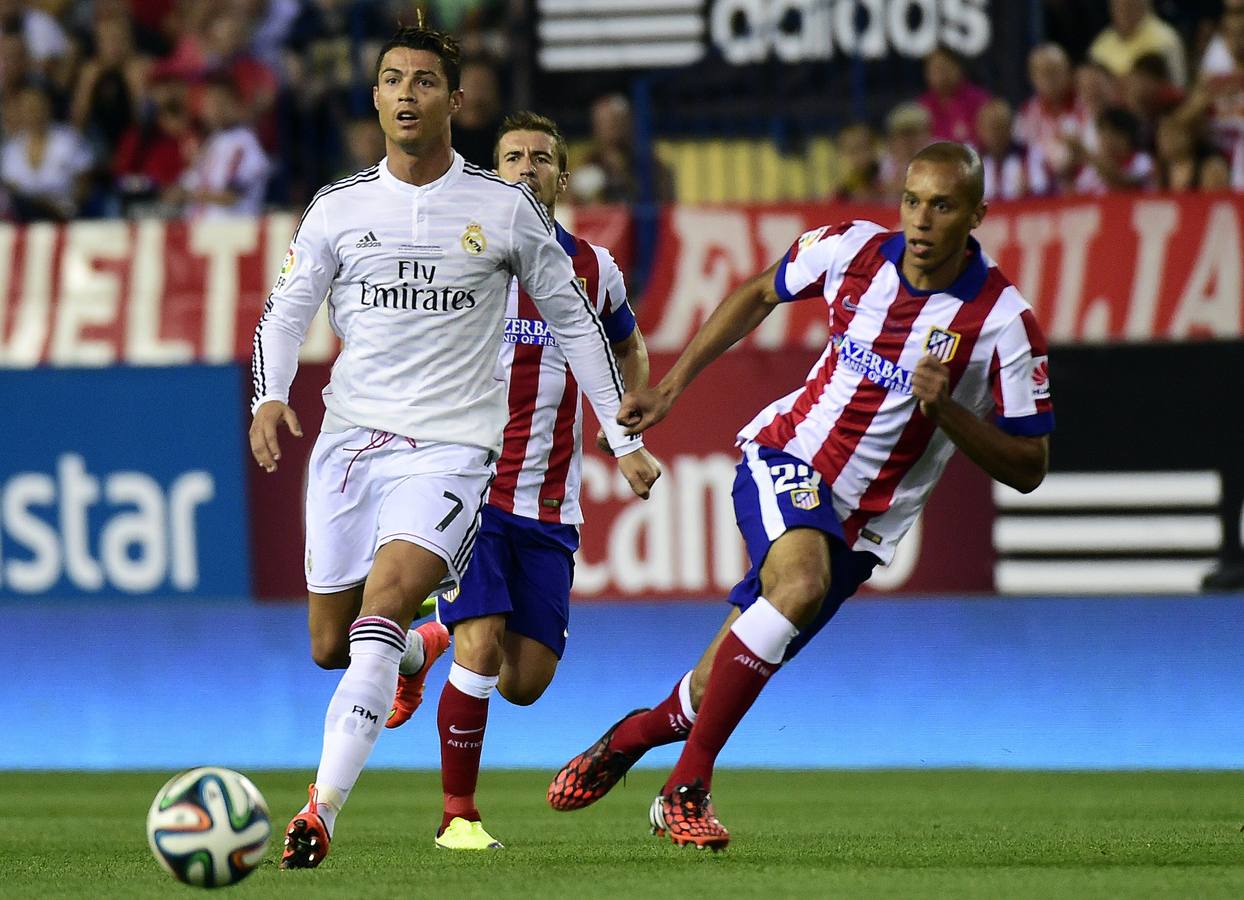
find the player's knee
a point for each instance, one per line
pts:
(330, 652)
(521, 694)
(798, 592)
(478, 645)
(522, 691)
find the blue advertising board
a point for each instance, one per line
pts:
(122, 482)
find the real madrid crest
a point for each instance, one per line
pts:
(473, 240)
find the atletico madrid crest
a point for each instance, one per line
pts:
(942, 343)
(805, 499)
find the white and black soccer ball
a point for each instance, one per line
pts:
(209, 827)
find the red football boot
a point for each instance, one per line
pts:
(410, 687)
(593, 773)
(686, 815)
(306, 838)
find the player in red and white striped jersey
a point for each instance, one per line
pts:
(509, 616)
(928, 339)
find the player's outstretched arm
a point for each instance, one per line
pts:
(736, 317)
(263, 434)
(1015, 460)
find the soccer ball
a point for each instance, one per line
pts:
(209, 827)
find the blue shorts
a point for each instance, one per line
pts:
(521, 568)
(773, 493)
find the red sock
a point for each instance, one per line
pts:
(736, 680)
(663, 724)
(461, 719)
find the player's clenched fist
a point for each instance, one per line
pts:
(641, 470)
(930, 384)
(642, 409)
(264, 445)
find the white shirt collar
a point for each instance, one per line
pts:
(392, 181)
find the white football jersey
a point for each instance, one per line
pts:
(416, 279)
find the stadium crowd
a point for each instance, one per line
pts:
(178, 107)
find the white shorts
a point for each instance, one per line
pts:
(366, 488)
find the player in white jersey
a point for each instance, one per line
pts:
(414, 257)
(511, 614)
(927, 338)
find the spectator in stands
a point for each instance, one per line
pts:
(1149, 92)
(951, 99)
(230, 173)
(475, 125)
(1050, 118)
(1120, 163)
(859, 165)
(364, 146)
(1135, 30)
(111, 85)
(271, 23)
(43, 164)
(610, 171)
(15, 74)
(907, 133)
(1097, 89)
(329, 70)
(1005, 162)
(156, 151)
(228, 54)
(1219, 58)
(43, 36)
(1218, 98)
(1187, 160)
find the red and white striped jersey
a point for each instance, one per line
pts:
(855, 420)
(539, 471)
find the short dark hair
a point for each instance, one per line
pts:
(950, 54)
(1154, 65)
(526, 120)
(962, 155)
(1122, 121)
(440, 43)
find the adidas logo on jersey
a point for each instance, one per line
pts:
(368, 240)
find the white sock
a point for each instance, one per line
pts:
(358, 710)
(765, 631)
(412, 659)
(684, 698)
(472, 683)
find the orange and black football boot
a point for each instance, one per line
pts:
(686, 815)
(593, 773)
(306, 837)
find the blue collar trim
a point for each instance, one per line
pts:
(966, 287)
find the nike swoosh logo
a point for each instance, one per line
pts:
(454, 729)
(848, 305)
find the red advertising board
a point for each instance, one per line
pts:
(683, 541)
(1133, 267)
(1128, 267)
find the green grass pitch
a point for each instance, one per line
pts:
(959, 833)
